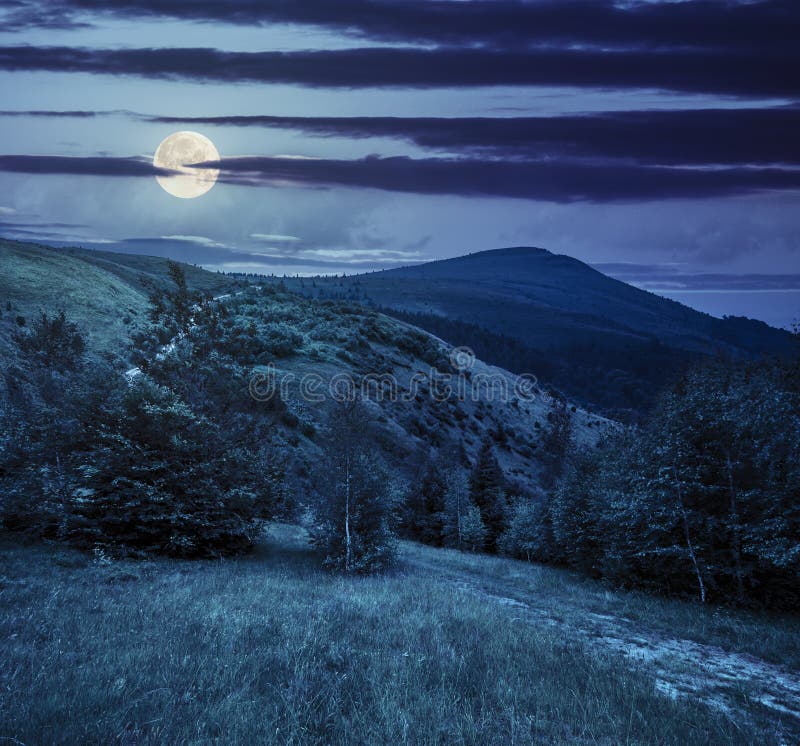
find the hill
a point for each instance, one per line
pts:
(395, 365)
(105, 293)
(608, 344)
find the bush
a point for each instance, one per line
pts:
(165, 480)
(54, 342)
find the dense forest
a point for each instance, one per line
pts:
(701, 500)
(617, 381)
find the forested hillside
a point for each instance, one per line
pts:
(223, 408)
(600, 341)
(265, 404)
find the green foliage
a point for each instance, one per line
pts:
(487, 492)
(177, 463)
(163, 479)
(425, 506)
(473, 531)
(53, 342)
(133, 470)
(529, 535)
(172, 308)
(704, 501)
(556, 442)
(354, 518)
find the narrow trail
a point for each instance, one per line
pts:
(723, 680)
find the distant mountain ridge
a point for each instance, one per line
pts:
(607, 343)
(561, 282)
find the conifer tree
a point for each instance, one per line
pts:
(487, 492)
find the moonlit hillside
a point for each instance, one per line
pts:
(400, 372)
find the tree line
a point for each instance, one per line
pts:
(701, 501)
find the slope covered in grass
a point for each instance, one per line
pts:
(270, 649)
(104, 293)
(397, 369)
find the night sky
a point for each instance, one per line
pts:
(659, 141)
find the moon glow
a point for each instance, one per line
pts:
(175, 153)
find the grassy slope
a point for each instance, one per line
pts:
(270, 649)
(98, 290)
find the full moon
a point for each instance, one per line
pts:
(175, 153)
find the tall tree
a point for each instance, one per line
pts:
(425, 506)
(487, 492)
(557, 441)
(457, 505)
(354, 523)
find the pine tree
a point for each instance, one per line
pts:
(161, 478)
(487, 485)
(557, 442)
(426, 505)
(457, 503)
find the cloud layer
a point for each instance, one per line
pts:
(680, 137)
(554, 181)
(736, 73)
(763, 25)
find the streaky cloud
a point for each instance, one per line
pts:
(539, 180)
(762, 25)
(554, 181)
(667, 137)
(735, 73)
(658, 137)
(79, 165)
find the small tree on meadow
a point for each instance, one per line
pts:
(354, 519)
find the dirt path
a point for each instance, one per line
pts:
(733, 683)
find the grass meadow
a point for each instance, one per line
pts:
(270, 649)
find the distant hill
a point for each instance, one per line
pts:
(606, 343)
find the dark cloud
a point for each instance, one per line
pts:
(545, 180)
(741, 73)
(20, 15)
(87, 166)
(12, 224)
(701, 23)
(723, 136)
(47, 113)
(660, 137)
(562, 181)
(665, 276)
